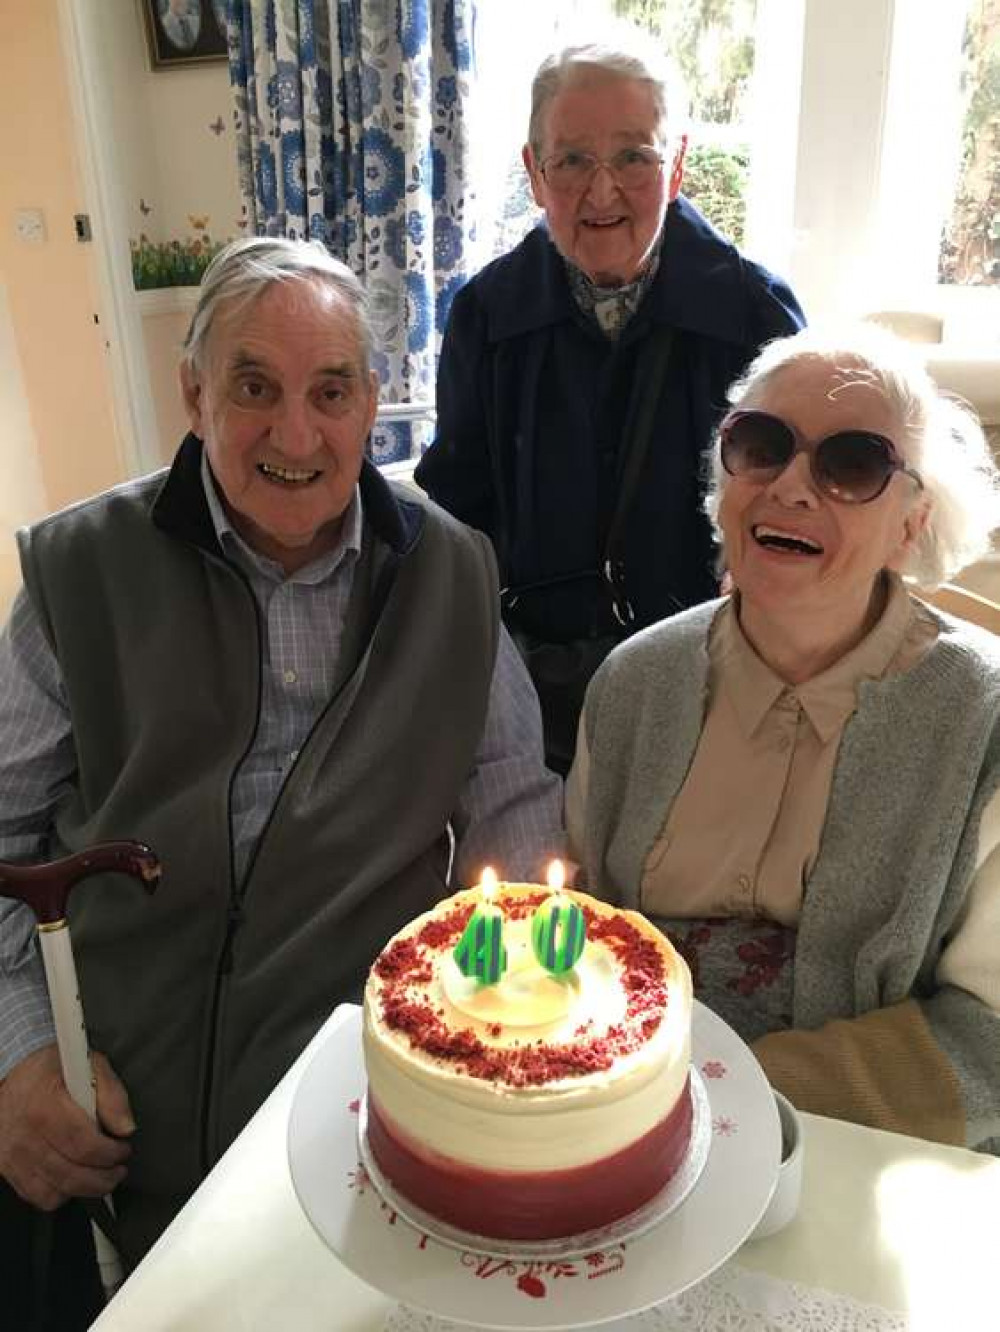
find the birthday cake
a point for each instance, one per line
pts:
(528, 1062)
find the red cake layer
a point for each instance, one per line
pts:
(540, 1205)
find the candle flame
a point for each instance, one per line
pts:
(488, 884)
(556, 876)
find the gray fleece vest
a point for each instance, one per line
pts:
(917, 764)
(203, 994)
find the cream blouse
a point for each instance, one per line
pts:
(744, 831)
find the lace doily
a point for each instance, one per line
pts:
(731, 1298)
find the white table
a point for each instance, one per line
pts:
(884, 1219)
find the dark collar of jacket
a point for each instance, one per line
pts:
(181, 510)
(698, 285)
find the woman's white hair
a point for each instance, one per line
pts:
(940, 438)
(620, 55)
(244, 270)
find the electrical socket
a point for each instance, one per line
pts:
(29, 225)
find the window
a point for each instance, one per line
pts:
(970, 245)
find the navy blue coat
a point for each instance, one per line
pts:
(531, 401)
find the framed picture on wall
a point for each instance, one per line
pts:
(184, 32)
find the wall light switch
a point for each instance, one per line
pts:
(29, 225)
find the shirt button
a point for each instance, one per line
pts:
(744, 882)
(784, 743)
(289, 677)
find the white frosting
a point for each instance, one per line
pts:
(528, 1002)
(558, 1125)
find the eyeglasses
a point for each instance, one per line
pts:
(852, 466)
(571, 172)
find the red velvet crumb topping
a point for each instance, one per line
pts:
(407, 963)
(404, 960)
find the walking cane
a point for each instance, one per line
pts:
(45, 889)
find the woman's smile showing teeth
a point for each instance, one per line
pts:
(287, 476)
(776, 538)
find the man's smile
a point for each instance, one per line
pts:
(288, 476)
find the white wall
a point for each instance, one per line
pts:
(162, 168)
(22, 494)
(58, 440)
(167, 152)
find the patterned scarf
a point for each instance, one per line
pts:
(612, 307)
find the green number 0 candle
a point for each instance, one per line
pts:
(558, 934)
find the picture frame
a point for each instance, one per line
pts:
(184, 32)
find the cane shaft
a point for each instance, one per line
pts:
(67, 1014)
(74, 1056)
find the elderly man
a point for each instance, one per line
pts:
(582, 376)
(225, 661)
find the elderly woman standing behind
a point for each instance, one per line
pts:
(583, 374)
(800, 782)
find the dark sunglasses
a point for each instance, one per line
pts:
(852, 466)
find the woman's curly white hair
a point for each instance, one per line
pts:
(940, 437)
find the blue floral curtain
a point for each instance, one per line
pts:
(350, 119)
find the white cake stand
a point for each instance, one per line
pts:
(622, 1275)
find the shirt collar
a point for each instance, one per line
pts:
(828, 699)
(349, 545)
(751, 686)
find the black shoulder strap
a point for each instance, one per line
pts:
(654, 357)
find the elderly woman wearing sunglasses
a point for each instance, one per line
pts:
(801, 782)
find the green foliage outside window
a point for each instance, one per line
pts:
(970, 247)
(716, 179)
(711, 43)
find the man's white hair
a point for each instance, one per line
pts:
(244, 270)
(940, 438)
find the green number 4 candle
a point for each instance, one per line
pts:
(480, 952)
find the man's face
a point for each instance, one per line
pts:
(605, 230)
(284, 407)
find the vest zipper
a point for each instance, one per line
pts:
(234, 916)
(383, 584)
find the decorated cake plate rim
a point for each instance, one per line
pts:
(627, 1228)
(373, 1240)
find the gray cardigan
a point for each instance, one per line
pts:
(918, 762)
